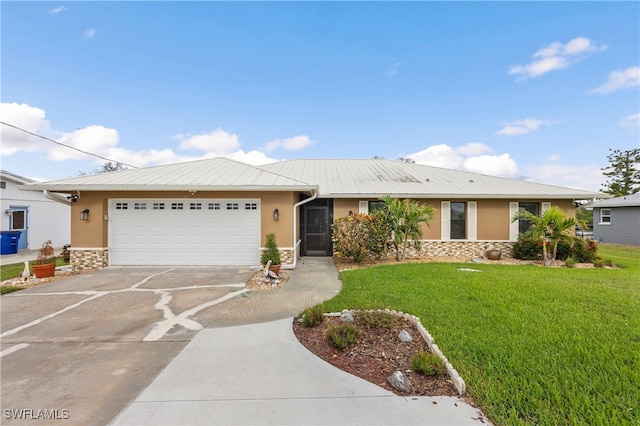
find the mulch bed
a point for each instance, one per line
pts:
(377, 355)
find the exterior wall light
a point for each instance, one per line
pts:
(84, 214)
(276, 214)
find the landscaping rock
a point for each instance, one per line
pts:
(399, 381)
(346, 317)
(404, 336)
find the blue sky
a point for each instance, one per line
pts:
(526, 90)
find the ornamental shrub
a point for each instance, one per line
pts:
(359, 236)
(427, 363)
(583, 251)
(527, 248)
(343, 335)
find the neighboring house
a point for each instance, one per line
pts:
(617, 220)
(217, 211)
(37, 217)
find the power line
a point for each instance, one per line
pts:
(66, 146)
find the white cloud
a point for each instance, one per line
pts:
(588, 177)
(632, 120)
(521, 127)
(57, 10)
(556, 56)
(393, 69)
(495, 165)
(218, 141)
(553, 158)
(90, 33)
(291, 144)
(471, 157)
(104, 141)
(620, 80)
(28, 118)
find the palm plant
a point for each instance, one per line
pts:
(549, 229)
(405, 218)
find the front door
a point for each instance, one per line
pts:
(18, 221)
(316, 236)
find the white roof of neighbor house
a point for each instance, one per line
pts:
(624, 201)
(374, 177)
(331, 178)
(5, 175)
(213, 174)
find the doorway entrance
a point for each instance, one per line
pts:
(317, 217)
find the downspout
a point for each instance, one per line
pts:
(314, 195)
(56, 197)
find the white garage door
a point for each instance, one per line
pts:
(184, 232)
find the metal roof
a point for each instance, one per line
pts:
(632, 200)
(214, 174)
(375, 177)
(370, 178)
(5, 175)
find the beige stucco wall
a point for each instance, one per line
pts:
(95, 231)
(492, 215)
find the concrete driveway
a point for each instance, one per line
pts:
(78, 350)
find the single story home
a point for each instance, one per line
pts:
(617, 220)
(37, 217)
(217, 211)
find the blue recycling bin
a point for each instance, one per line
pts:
(9, 242)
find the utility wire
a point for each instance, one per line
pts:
(66, 146)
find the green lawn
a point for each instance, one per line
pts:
(14, 270)
(535, 345)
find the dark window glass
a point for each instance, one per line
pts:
(458, 221)
(534, 208)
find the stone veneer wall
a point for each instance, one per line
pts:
(84, 259)
(459, 249)
(286, 256)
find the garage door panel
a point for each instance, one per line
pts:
(187, 236)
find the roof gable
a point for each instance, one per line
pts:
(210, 174)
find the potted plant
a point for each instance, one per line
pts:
(45, 264)
(271, 253)
(494, 254)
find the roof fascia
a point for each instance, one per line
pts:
(148, 188)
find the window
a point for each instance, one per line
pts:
(18, 220)
(605, 216)
(3, 185)
(140, 206)
(177, 206)
(232, 206)
(158, 206)
(523, 224)
(195, 206)
(458, 221)
(374, 206)
(251, 206)
(214, 206)
(122, 206)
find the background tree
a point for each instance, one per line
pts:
(584, 218)
(109, 166)
(623, 173)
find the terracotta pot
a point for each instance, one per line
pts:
(494, 254)
(275, 269)
(44, 271)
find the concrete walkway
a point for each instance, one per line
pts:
(251, 369)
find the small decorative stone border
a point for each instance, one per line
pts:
(458, 382)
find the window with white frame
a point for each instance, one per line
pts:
(605, 216)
